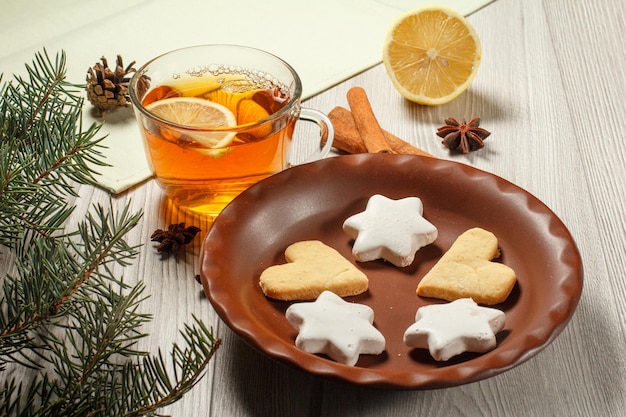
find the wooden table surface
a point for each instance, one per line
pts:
(552, 90)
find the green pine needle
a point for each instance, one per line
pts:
(66, 321)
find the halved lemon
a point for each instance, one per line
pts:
(432, 55)
(197, 113)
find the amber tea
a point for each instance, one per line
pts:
(213, 130)
(202, 177)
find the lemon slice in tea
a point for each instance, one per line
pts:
(432, 55)
(197, 113)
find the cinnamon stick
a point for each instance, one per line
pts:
(366, 123)
(347, 137)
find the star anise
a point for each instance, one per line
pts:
(467, 136)
(174, 237)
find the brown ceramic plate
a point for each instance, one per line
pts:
(311, 202)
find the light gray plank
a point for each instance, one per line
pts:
(551, 90)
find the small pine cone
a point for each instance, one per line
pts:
(107, 89)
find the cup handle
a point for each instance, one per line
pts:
(326, 136)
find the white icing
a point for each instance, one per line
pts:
(334, 327)
(447, 330)
(388, 229)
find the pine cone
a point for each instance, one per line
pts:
(106, 89)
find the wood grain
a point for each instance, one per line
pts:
(551, 90)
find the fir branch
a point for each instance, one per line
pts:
(44, 149)
(189, 367)
(52, 271)
(65, 317)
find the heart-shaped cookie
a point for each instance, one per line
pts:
(466, 270)
(312, 268)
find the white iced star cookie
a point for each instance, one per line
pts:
(335, 327)
(447, 330)
(389, 229)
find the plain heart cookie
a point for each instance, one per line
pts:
(312, 268)
(466, 270)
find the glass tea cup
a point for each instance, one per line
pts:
(218, 118)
